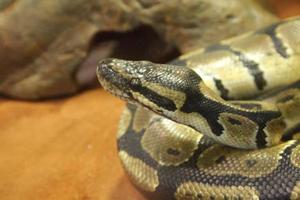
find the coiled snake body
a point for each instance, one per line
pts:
(218, 123)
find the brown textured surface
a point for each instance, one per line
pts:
(65, 149)
(53, 53)
(62, 149)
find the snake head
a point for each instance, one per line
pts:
(123, 78)
(110, 75)
(154, 86)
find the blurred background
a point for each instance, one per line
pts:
(57, 125)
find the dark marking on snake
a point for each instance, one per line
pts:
(248, 105)
(251, 65)
(221, 159)
(216, 47)
(234, 121)
(212, 197)
(223, 90)
(285, 99)
(196, 102)
(253, 69)
(154, 97)
(295, 85)
(278, 44)
(173, 152)
(250, 163)
(261, 139)
(288, 135)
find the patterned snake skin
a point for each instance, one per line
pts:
(222, 122)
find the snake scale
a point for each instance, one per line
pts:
(221, 122)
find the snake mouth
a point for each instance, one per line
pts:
(111, 80)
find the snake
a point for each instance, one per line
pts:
(220, 122)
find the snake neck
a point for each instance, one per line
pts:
(187, 100)
(224, 121)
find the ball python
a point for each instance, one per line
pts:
(221, 122)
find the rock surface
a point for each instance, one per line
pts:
(45, 45)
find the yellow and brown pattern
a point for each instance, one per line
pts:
(225, 125)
